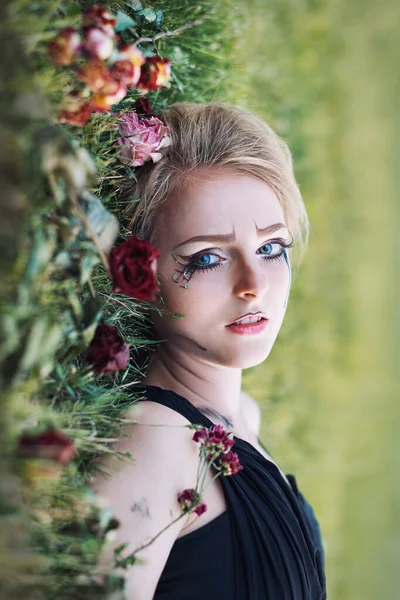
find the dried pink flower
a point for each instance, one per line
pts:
(97, 43)
(141, 139)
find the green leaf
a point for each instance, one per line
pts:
(124, 21)
(159, 20)
(88, 262)
(147, 15)
(135, 5)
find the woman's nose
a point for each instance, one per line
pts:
(250, 279)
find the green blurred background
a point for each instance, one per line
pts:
(325, 76)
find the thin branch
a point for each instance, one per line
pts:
(176, 31)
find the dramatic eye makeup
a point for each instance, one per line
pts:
(273, 250)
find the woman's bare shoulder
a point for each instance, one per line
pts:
(143, 494)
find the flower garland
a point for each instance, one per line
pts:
(104, 64)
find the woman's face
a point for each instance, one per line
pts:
(245, 271)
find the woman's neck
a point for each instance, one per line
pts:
(213, 389)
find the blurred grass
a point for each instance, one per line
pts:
(325, 76)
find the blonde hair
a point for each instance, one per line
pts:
(222, 136)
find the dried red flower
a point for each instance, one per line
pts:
(98, 16)
(142, 107)
(133, 266)
(125, 72)
(96, 76)
(104, 102)
(190, 501)
(64, 48)
(156, 72)
(230, 464)
(216, 444)
(76, 111)
(50, 445)
(107, 352)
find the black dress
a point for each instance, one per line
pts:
(266, 546)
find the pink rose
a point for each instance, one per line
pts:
(141, 139)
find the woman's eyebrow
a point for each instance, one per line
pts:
(229, 237)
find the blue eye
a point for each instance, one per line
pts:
(199, 259)
(204, 262)
(270, 252)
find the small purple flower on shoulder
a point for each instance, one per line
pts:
(230, 464)
(216, 445)
(190, 501)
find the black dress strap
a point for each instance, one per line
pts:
(177, 402)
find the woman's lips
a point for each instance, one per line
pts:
(249, 328)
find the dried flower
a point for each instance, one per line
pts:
(65, 46)
(156, 72)
(215, 439)
(229, 464)
(142, 107)
(95, 74)
(97, 43)
(107, 352)
(104, 102)
(132, 53)
(51, 445)
(98, 16)
(76, 110)
(216, 444)
(125, 72)
(190, 501)
(141, 139)
(133, 266)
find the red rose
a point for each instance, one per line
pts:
(107, 351)
(51, 445)
(142, 107)
(133, 266)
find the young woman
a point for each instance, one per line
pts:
(223, 208)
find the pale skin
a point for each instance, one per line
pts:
(201, 359)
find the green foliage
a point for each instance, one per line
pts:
(57, 287)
